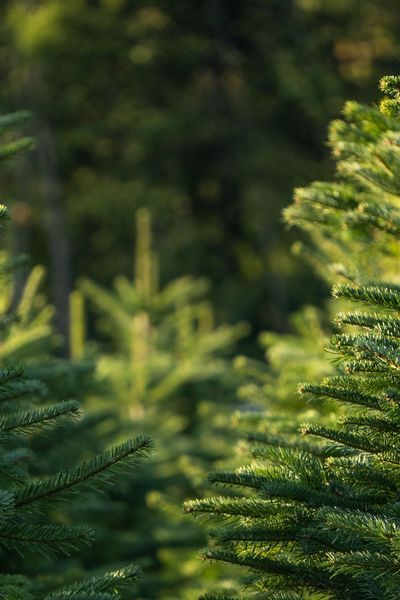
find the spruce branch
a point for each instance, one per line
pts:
(46, 540)
(376, 295)
(23, 421)
(92, 472)
(103, 586)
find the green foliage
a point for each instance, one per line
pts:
(324, 523)
(31, 538)
(166, 368)
(270, 385)
(352, 236)
(163, 339)
(23, 531)
(12, 146)
(317, 516)
(353, 222)
(207, 113)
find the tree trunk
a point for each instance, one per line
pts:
(58, 242)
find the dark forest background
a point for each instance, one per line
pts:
(206, 113)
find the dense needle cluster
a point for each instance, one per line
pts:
(317, 516)
(28, 532)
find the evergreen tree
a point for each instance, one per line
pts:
(343, 244)
(349, 237)
(316, 517)
(29, 540)
(166, 367)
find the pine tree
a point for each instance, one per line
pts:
(349, 237)
(29, 539)
(167, 368)
(316, 517)
(342, 244)
(353, 222)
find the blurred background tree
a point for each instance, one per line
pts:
(164, 365)
(207, 114)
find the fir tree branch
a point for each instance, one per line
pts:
(26, 420)
(102, 466)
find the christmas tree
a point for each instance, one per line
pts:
(316, 516)
(166, 367)
(32, 534)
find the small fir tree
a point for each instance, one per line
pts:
(316, 517)
(167, 368)
(29, 538)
